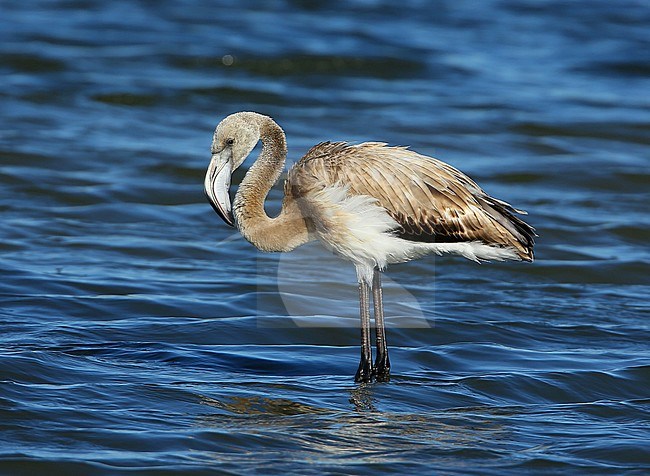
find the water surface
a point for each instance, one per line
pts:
(138, 333)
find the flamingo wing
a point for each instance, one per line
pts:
(429, 199)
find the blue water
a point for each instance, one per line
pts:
(140, 335)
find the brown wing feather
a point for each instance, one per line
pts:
(430, 200)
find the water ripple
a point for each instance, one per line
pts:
(140, 335)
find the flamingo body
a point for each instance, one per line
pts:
(370, 204)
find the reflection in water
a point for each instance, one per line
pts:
(362, 398)
(367, 435)
(256, 405)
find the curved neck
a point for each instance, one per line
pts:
(284, 232)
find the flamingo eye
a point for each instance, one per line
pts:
(230, 141)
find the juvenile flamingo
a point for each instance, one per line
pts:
(370, 204)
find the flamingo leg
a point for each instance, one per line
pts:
(382, 364)
(364, 373)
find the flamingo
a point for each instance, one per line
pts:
(370, 203)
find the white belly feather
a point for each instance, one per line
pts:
(358, 229)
